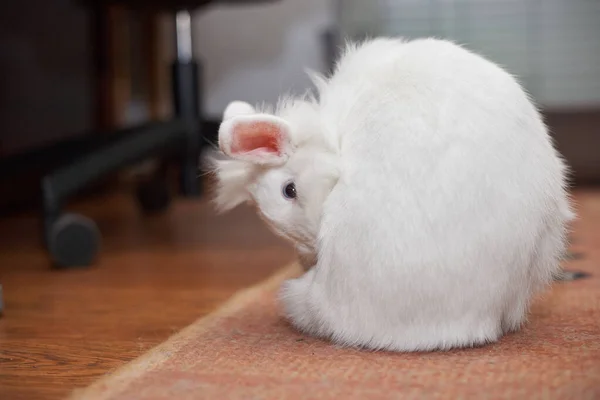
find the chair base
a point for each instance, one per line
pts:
(72, 240)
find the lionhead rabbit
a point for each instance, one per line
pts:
(420, 188)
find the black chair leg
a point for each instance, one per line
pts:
(187, 94)
(73, 240)
(187, 108)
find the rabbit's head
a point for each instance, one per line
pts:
(281, 162)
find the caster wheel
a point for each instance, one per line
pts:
(74, 241)
(154, 196)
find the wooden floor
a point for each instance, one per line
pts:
(63, 329)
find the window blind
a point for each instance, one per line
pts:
(552, 46)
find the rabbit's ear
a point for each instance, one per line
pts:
(257, 138)
(236, 108)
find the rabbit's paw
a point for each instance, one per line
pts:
(295, 295)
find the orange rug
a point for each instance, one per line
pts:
(246, 351)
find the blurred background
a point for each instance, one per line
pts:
(105, 107)
(98, 94)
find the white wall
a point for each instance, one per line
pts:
(255, 53)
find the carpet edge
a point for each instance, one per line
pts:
(119, 378)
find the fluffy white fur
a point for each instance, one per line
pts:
(431, 203)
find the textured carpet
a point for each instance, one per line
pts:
(246, 351)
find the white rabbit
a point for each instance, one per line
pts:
(421, 190)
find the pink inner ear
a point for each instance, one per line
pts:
(256, 136)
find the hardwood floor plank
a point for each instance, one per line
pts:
(156, 274)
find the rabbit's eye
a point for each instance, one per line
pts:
(289, 190)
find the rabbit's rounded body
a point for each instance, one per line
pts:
(449, 210)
